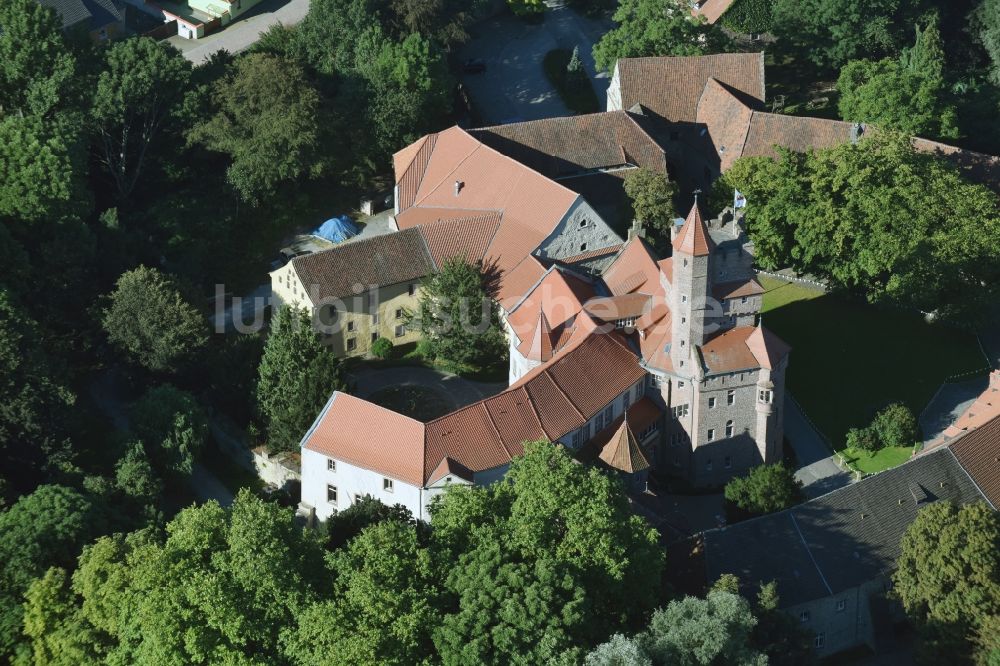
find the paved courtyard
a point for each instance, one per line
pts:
(948, 404)
(244, 31)
(514, 86)
(818, 469)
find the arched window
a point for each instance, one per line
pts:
(729, 429)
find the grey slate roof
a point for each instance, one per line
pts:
(840, 540)
(98, 13)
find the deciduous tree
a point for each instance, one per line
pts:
(149, 319)
(655, 28)
(766, 489)
(141, 86)
(173, 427)
(948, 573)
(652, 196)
(267, 120)
(36, 67)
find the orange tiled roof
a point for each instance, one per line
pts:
(728, 352)
(411, 164)
(622, 451)
(693, 237)
(363, 434)
(634, 269)
(591, 254)
(559, 295)
(712, 10)
(609, 447)
(737, 289)
(727, 119)
(466, 237)
(425, 217)
(670, 87)
(518, 281)
(978, 452)
(539, 345)
(767, 347)
(985, 408)
(613, 308)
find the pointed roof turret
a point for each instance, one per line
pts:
(539, 345)
(693, 238)
(623, 453)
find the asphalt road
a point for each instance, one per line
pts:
(244, 31)
(818, 469)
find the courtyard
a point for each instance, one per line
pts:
(849, 359)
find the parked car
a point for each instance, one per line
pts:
(474, 66)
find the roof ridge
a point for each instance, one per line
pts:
(958, 462)
(805, 545)
(479, 144)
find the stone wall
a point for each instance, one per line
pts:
(580, 230)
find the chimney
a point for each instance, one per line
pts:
(458, 187)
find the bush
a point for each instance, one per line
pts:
(382, 348)
(766, 489)
(749, 16)
(896, 425)
(863, 439)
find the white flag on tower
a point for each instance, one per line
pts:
(739, 201)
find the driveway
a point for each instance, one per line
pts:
(514, 86)
(458, 390)
(244, 31)
(818, 469)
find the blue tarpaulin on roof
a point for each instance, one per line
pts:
(337, 229)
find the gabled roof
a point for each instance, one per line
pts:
(727, 119)
(411, 164)
(559, 295)
(466, 237)
(729, 352)
(978, 452)
(737, 289)
(693, 238)
(841, 540)
(983, 409)
(380, 260)
(767, 347)
(613, 308)
(634, 269)
(363, 434)
(517, 282)
(670, 87)
(461, 172)
(574, 144)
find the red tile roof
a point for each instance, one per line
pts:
(365, 435)
(613, 308)
(538, 346)
(517, 282)
(727, 119)
(559, 295)
(591, 254)
(767, 347)
(633, 270)
(712, 10)
(693, 237)
(466, 237)
(978, 452)
(622, 451)
(728, 352)
(410, 165)
(670, 87)
(985, 408)
(737, 289)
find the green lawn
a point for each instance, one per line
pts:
(850, 359)
(883, 459)
(579, 98)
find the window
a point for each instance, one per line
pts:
(625, 323)
(680, 384)
(684, 320)
(626, 400)
(804, 616)
(728, 462)
(730, 397)
(577, 439)
(352, 344)
(711, 403)
(374, 337)
(331, 464)
(583, 247)
(841, 605)
(708, 465)
(375, 318)
(609, 413)
(331, 494)
(820, 640)
(583, 223)
(350, 327)
(387, 485)
(743, 300)
(730, 429)
(599, 422)
(400, 330)
(411, 289)
(680, 410)
(765, 396)
(711, 434)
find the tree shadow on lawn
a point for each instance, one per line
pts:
(850, 359)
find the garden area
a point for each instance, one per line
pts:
(565, 71)
(849, 360)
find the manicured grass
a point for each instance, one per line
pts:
(578, 98)
(883, 459)
(417, 402)
(850, 359)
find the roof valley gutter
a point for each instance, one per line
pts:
(805, 545)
